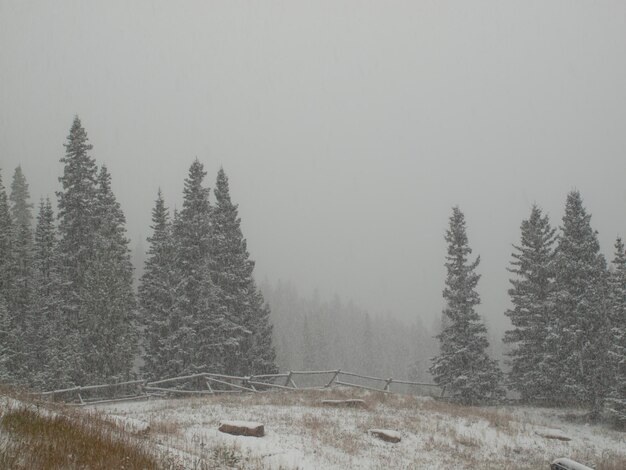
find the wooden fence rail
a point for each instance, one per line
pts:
(207, 383)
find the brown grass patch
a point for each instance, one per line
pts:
(72, 441)
(161, 426)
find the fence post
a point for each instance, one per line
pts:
(388, 383)
(333, 379)
(443, 391)
(288, 379)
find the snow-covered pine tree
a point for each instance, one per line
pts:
(232, 269)
(261, 353)
(6, 343)
(616, 402)
(6, 246)
(77, 207)
(110, 340)
(22, 246)
(157, 293)
(47, 330)
(202, 336)
(581, 314)
(21, 210)
(531, 314)
(8, 353)
(462, 366)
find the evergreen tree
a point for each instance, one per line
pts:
(201, 339)
(157, 293)
(581, 323)
(8, 346)
(232, 273)
(21, 210)
(109, 341)
(462, 366)
(77, 207)
(22, 246)
(531, 314)
(6, 246)
(47, 331)
(616, 402)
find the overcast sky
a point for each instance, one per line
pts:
(348, 128)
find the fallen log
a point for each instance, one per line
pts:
(553, 434)
(386, 435)
(242, 428)
(351, 403)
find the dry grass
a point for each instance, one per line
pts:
(436, 434)
(161, 426)
(70, 441)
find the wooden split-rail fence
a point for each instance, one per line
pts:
(207, 383)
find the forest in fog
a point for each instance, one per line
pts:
(70, 315)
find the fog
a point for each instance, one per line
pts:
(348, 129)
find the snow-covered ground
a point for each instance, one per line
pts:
(301, 433)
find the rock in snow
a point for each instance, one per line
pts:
(386, 435)
(242, 428)
(567, 464)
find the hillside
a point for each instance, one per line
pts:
(300, 433)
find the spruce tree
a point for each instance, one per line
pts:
(47, 330)
(232, 271)
(109, 341)
(6, 344)
(6, 246)
(22, 246)
(581, 322)
(21, 210)
(462, 366)
(200, 340)
(531, 314)
(616, 401)
(157, 290)
(8, 347)
(77, 206)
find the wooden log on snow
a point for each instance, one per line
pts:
(386, 435)
(242, 428)
(553, 434)
(351, 403)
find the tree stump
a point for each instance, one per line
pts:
(242, 428)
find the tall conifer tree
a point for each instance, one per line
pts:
(6, 246)
(22, 246)
(616, 402)
(462, 366)
(581, 314)
(157, 291)
(201, 330)
(110, 340)
(232, 272)
(77, 207)
(47, 330)
(8, 352)
(531, 314)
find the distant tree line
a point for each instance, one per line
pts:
(69, 315)
(68, 312)
(568, 315)
(314, 333)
